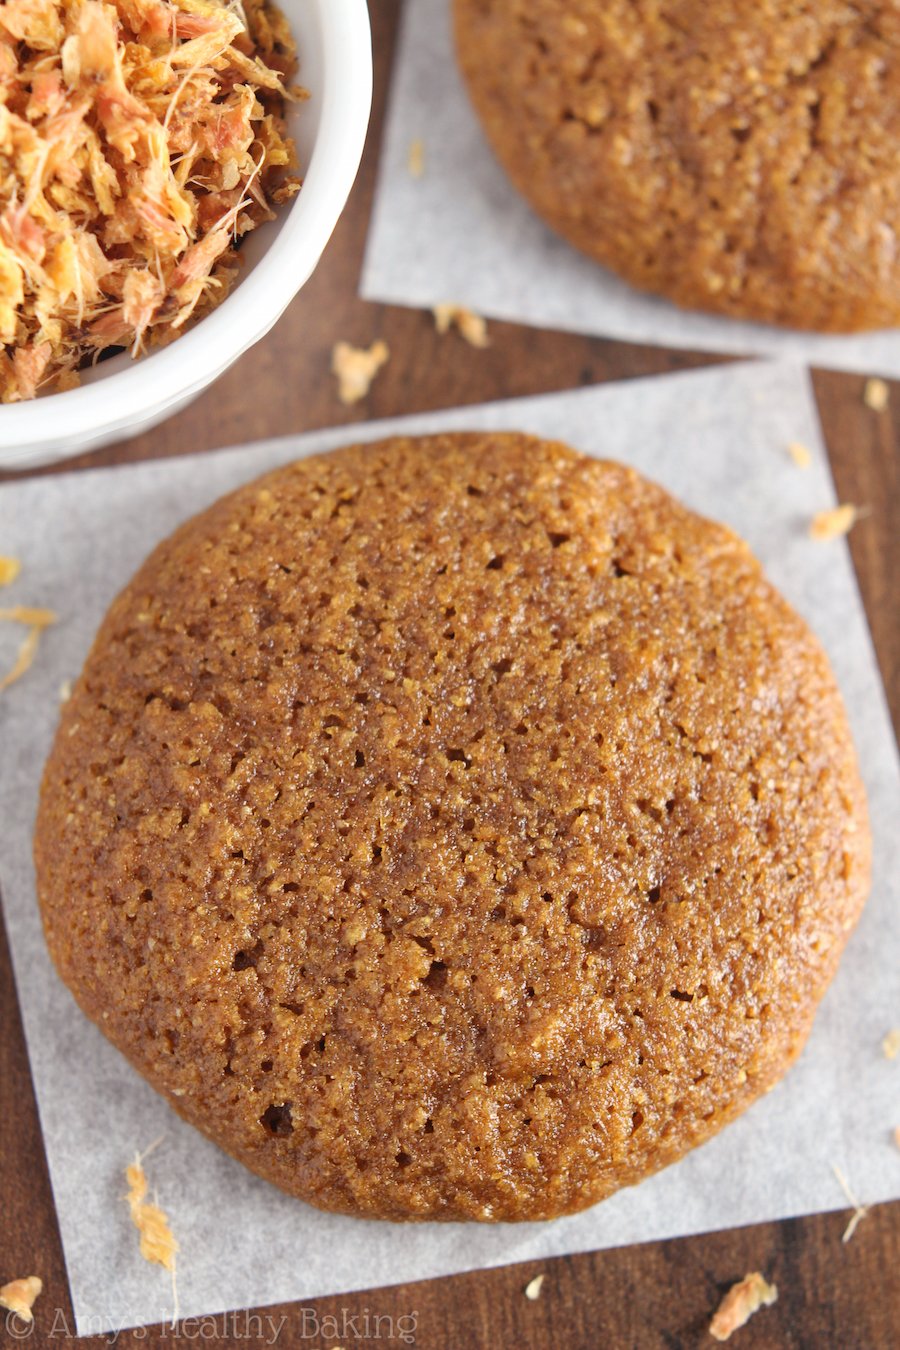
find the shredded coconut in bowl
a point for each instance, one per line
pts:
(139, 141)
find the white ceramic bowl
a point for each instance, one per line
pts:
(121, 397)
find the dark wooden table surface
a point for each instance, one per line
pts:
(656, 1295)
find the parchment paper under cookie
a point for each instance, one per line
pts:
(460, 233)
(718, 439)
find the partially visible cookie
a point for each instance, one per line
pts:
(739, 158)
(453, 828)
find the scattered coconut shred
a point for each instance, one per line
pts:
(158, 1243)
(139, 141)
(740, 1303)
(890, 1046)
(860, 1212)
(19, 1297)
(471, 326)
(876, 395)
(9, 570)
(356, 368)
(835, 523)
(800, 454)
(36, 620)
(415, 162)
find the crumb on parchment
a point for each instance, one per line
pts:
(833, 524)
(356, 368)
(740, 1303)
(890, 1046)
(876, 395)
(800, 454)
(416, 161)
(9, 570)
(533, 1287)
(36, 620)
(19, 1296)
(897, 1135)
(471, 326)
(158, 1243)
(859, 1211)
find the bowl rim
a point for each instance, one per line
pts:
(197, 357)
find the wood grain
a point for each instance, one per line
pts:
(657, 1295)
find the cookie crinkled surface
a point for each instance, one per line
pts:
(455, 828)
(734, 158)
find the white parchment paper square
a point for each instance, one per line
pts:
(462, 234)
(717, 438)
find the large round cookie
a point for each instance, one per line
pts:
(455, 828)
(736, 157)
